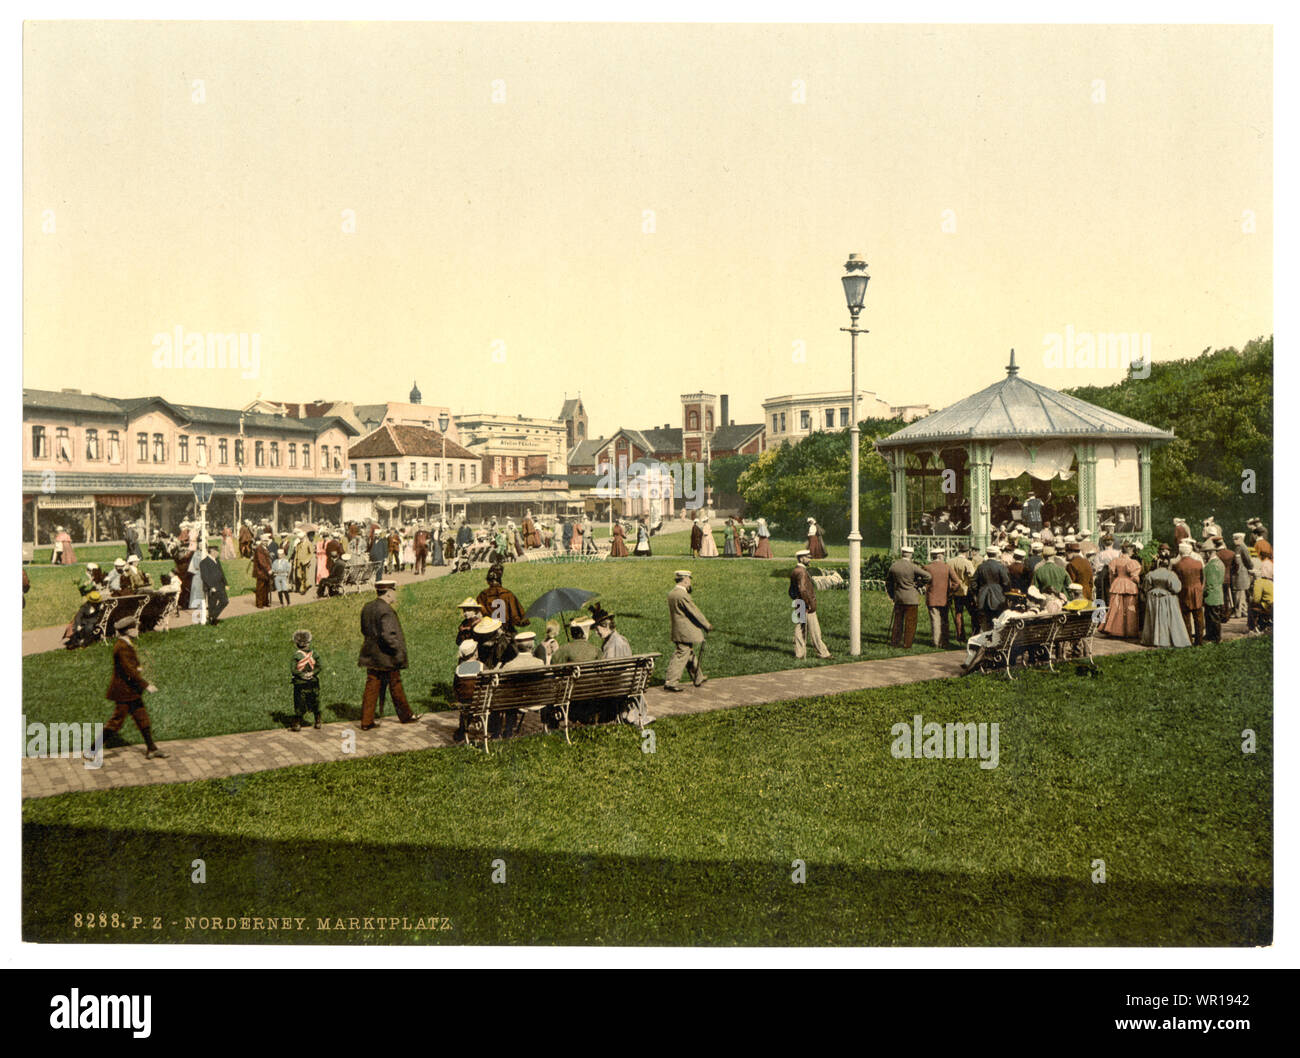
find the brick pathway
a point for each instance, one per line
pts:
(223, 756)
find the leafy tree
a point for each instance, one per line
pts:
(790, 483)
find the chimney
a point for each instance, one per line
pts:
(725, 402)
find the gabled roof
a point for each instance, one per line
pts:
(733, 436)
(393, 439)
(584, 452)
(1017, 408)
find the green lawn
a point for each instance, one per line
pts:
(234, 677)
(54, 597)
(602, 843)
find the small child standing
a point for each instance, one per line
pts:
(281, 569)
(305, 671)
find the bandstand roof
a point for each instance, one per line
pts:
(1015, 408)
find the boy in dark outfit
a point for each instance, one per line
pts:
(305, 671)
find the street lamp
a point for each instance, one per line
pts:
(443, 422)
(202, 484)
(855, 281)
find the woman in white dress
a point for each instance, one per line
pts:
(408, 548)
(708, 546)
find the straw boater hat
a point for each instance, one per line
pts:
(385, 585)
(1037, 545)
(935, 551)
(487, 626)
(993, 551)
(1239, 536)
(119, 562)
(523, 638)
(469, 603)
(1048, 551)
(906, 549)
(801, 552)
(134, 560)
(1075, 586)
(93, 596)
(682, 574)
(1017, 553)
(583, 623)
(466, 648)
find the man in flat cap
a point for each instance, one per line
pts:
(803, 597)
(687, 628)
(126, 690)
(904, 583)
(383, 656)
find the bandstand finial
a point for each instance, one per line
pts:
(1012, 369)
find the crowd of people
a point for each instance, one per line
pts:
(1180, 597)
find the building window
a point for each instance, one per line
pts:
(114, 447)
(462, 473)
(142, 447)
(775, 423)
(92, 445)
(239, 451)
(782, 430)
(338, 458)
(183, 448)
(62, 445)
(412, 478)
(259, 453)
(708, 421)
(201, 451)
(437, 467)
(306, 457)
(692, 420)
(367, 471)
(223, 451)
(353, 468)
(275, 453)
(805, 420)
(39, 450)
(844, 416)
(324, 457)
(393, 466)
(830, 418)
(381, 473)
(159, 448)
(424, 471)
(473, 473)
(293, 456)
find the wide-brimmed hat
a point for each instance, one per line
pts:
(468, 603)
(487, 626)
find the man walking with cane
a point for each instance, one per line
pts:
(688, 627)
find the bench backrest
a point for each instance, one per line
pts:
(570, 681)
(520, 689)
(1030, 631)
(612, 678)
(1077, 625)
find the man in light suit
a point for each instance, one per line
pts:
(687, 627)
(904, 583)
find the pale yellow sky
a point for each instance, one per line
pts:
(1101, 179)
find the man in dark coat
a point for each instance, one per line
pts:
(697, 538)
(991, 584)
(803, 597)
(1190, 571)
(245, 541)
(214, 584)
(383, 655)
(261, 574)
(904, 582)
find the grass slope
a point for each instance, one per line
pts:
(234, 677)
(603, 843)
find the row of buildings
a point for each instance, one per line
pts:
(91, 463)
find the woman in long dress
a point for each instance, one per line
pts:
(196, 580)
(1122, 611)
(815, 548)
(642, 549)
(617, 548)
(764, 546)
(228, 544)
(708, 546)
(1164, 625)
(729, 548)
(408, 550)
(575, 542)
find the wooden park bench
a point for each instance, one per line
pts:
(119, 608)
(553, 689)
(158, 610)
(357, 575)
(1033, 639)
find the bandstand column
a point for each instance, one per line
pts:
(898, 501)
(1086, 454)
(1144, 488)
(980, 462)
